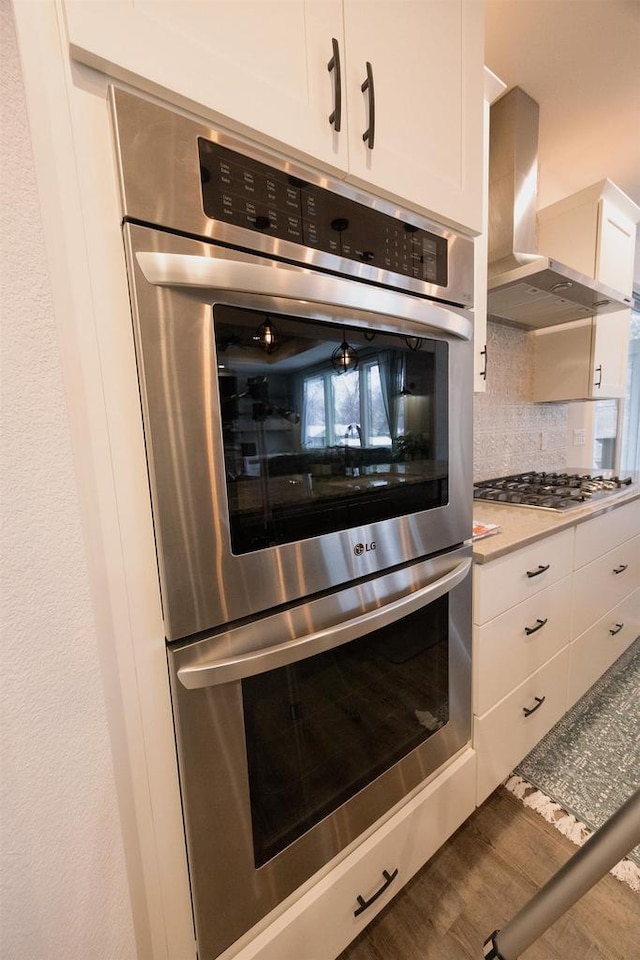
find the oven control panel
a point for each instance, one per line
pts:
(246, 193)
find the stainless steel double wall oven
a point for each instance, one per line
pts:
(305, 367)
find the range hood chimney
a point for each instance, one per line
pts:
(525, 287)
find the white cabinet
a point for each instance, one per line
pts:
(582, 360)
(427, 65)
(515, 577)
(254, 65)
(515, 644)
(493, 88)
(508, 732)
(261, 67)
(593, 231)
(539, 642)
(606, 594)
(606, 581)
(605, 532)
(597, 648)
(521, 631)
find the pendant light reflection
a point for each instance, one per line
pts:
(267, 336)
(344, 358)
(414, 343)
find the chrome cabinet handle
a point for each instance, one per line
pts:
(335, 118)
(363, 904)
(228, 669)
(621, 568)
(369, 135)
(541, 569)
(539, 625)
(598, 370)
(617, 629)
(529, 710)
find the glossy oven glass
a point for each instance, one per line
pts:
(320, 730)
(327, 428)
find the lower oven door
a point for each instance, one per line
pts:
(297, 731)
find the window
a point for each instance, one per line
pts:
(630, 452)
(348, 409)
(615, 430)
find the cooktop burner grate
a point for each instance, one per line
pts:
(549, 491)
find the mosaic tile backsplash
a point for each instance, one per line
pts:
(511, 433)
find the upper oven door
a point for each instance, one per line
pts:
(302, 430)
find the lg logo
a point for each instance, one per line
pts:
(361, 548)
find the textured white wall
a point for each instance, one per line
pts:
(64, 892)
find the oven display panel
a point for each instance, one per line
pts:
(327, 428)
(250, 194)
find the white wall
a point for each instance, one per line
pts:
(64, 892)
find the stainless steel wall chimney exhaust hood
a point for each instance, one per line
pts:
(524, 287)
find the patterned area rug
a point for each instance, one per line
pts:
(589, 763)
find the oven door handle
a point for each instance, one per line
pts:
(252, 276)
(282, 654)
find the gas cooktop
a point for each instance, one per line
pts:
(549, 491)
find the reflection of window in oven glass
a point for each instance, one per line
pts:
(335, 402)
(299, 434)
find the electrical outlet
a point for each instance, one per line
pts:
(544, 441)
(579, 438)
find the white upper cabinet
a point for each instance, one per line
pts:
(426, 62)
(581, 360)
(289, 72)
(593, 231)
(254, 65)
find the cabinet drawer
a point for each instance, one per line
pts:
(504, 735)
(603, 583)
(518, 642)
(603, 533)
(600, 646)
(321, 923)
(513, 578)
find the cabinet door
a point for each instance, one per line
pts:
(610, 348)
(582, 360)
(250, 65)
(426, 59)
(616, 248)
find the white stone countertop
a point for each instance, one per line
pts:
(522, 525)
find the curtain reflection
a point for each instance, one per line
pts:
(391, 365)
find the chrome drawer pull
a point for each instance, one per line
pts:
(363, 904)
(539, 625)
(621, 568)
(541, 569)
(528, 711)
(618, 628)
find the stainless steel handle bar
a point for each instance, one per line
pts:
(282, 654)
(252, 276)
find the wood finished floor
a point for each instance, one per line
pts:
(476, 882)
